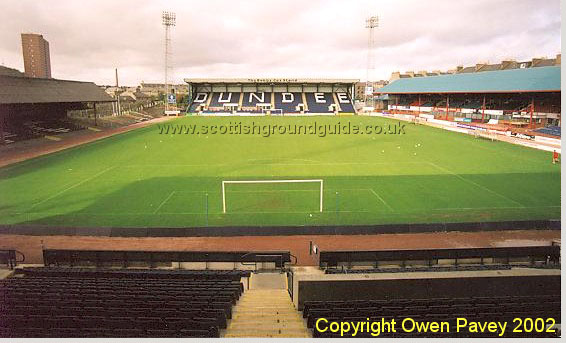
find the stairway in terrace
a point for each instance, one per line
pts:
(266, 310)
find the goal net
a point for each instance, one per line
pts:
(272, 111)
(483, 134)
(283, 196)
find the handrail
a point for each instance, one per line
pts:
(295, 257)
(23, 256)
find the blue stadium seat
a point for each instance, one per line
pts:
(194, 105)
(250, 100)
(288, 107)
(550, 130)
(345, 107)
(315, 107)
(221, 98)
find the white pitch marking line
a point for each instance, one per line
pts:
(475, 184)
(277, 164)
(328, 190)
(258, 212)
(490, 208)
(277, 191)
(191, 191)
(177, 213)
(163, 202)
(381, 199)
(71, 187)
(275, 212)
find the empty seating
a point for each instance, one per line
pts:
(220, 99)
(347, 107)
(136, 273)
(117, 303)
(320, 106)
(503, 309)
(425, 269)
(544, 254)
(22, 129)
(288, 102)
(251, 100)
(100, 258)
(550, 130)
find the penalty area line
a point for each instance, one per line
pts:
(71, 187)
(381, 199)
(475, 184)
(491, 208)
(163, 202)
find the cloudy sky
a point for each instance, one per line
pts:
(276, 38)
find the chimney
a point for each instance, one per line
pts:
(509, 64)
(395, 76)
(536, 61)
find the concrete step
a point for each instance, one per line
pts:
(271, 320)
(258, 332)
(266, 313)
(264, 309)
(252, 325)
(282, 306)
(282, 302)
(256, 335)
(251, 305)
(272, 312)
(270, 291)
(261, 316)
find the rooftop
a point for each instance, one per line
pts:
(541, 79)
(26, 90)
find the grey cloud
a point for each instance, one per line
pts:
(282, 37)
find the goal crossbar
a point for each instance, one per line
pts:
(224, 183)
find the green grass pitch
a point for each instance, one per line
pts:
(146, 179)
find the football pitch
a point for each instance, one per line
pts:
(144, 178)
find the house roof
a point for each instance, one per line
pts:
(542, 79)
(26, 90)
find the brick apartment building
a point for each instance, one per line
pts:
(36, 56)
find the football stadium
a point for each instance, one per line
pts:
(199, 171)
(283, 208)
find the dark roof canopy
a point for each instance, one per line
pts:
(5, 71)
(26, 90)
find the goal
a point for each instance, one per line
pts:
(483, 134)
(272, 111)
(247, 182)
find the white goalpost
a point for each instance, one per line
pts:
(272, 111)
(224, 183)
